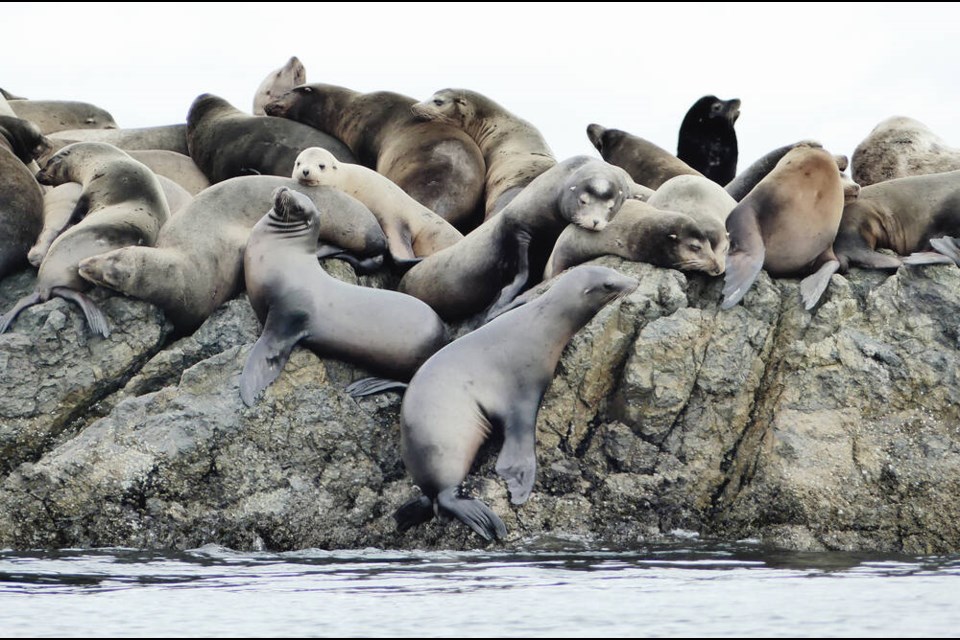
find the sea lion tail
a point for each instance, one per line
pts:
(95, 318)
(473, 513)
(27, 301)
(372, 386)
(413, 513)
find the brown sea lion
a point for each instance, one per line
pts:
(62, 115)
(277, 83)
(513, 149)
(437, 164)
(899, 147)
(171, 137)
(646, 163)
(21, 199)
(787, 225)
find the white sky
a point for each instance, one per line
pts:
(827, 72)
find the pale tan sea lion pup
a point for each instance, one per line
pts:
(643, 233)
(787, 225)
(277, 83)
(513, 149)
(412, 230)
(899, 147)
(297, 302)
(121, 204)
(493, 379)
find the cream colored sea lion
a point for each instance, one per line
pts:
(412, 230)
(513, 149)
(643, 233)
(277, 83)
(507, 253)
(899, 147)
(297, 302)
(787, 225)
(492, 379)
(121, 204)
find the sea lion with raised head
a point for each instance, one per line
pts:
(435, 163)
(197, 263)
(507, 253)
(513, 149)
(297, 302)
(787, 225)
(493, 379)
(900, 147)
(277, 83)
(648, 164)
(708, 141)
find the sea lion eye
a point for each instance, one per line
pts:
(695, 247)
(438, 102)
(307, 90)
(322, 166)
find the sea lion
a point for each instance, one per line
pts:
(493, 378)
(297, 302)
(172, 137)
(277, 83)
(62, 115)
(508, 252)
(708, 141)
(122, 204)
(695, 196)
(746, 180)
(437, 164)
(648, 164)
(787, 225)
(899, 147)
(197, 262)
(21, 199)
(9, 96)
(643, 233)
(513, 149)
(412, 230)
(904, 215)
(178, 167)
(226, 142)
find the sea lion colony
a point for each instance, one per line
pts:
(439, 167)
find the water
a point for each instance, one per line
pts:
(688, 589)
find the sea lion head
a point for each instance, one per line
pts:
(24, 137)
(591, 201)
(691, 247)
(290, 206)
(54, 172)
(447, 105)
(316, 166)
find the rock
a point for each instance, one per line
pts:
(835, 429)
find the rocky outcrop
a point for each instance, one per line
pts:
(832, 429)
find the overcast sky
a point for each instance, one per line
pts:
(827, 72)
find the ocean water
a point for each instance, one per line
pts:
(550, 588)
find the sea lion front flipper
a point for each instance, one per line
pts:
(413, 513)
(512, 290)
(813, 286)
(361, 267)
(267, 358)
(24, 302)
(746, 255)
(869, 259)
(473, 513)
(371, 386)
(517, 462)
(95, 318)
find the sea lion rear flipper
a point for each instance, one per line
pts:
(813, 286)
(328, 251)
(517, 462)
(946, 245)
(413, 513)
(472, 513)
(746, 255)
(927, 257)
(870, 259)
(371, 386)
(24, 302)
(95, 318)
(267, 358)
(361, 267)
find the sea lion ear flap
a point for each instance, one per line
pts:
(595, 133)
